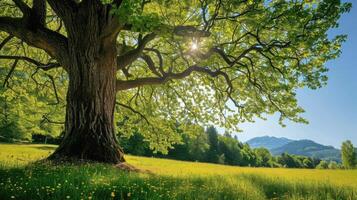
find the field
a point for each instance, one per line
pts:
(168, 179)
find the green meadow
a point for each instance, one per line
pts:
(23, 178)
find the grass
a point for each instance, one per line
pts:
(21, 179)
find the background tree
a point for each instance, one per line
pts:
(135, 145)
(9, 126)
(231, 150)
(307, 163)
(198, 146)
(213, 150)
(22, 116)
(322, 165)
(334, 165)
(264, 158)
(348, 155)
(162, 62)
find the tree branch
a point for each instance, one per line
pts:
(50, 41)
(134, 111)
(159, 56)
(5, 41)
(54, 88)
(39, 9)
(132, 55)
(125, 85)
(45, 118)
(151, 65)
(25, 9)
(190, 31)
(62, 7)
(6, 81)
(38, 64)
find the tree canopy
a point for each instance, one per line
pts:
(179, 62)
(348, 155)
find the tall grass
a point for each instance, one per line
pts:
(21, 179)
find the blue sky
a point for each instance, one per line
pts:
(331, 110)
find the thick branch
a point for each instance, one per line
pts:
(132, 55)
(63, 7)
(50, 41)
(190, 31)
(151, 65)
(124, 85)
(159, 56)
(39, 10)
(25, 9)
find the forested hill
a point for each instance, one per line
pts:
(268, 142)
(309, 148)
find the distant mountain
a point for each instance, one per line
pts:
(268, 142)
(309, 148)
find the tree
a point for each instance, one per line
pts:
(231, 150)
(248, 156)
(263, 156)
(198, 146)
(9, 126)
(166, 61)
(322, 165)
(135, 145)
(348, 155)
(307, 163)
(333, 165)
(213, 150)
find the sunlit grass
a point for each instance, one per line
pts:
(188, 169)
(20, 154)
(171, 179)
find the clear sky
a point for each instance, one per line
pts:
(331, 110)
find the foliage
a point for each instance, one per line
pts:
(264, 157)
(213, 151)
(322, 165)
(267, 51)
(170, 180)
(334, 165)
(209, 146)
(27, 98)
(22, 115)
(348, 154)
(135, 145)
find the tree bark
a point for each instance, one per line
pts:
(89, 126)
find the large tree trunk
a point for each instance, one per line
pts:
(89, 126)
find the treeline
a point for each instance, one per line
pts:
(209, 146)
